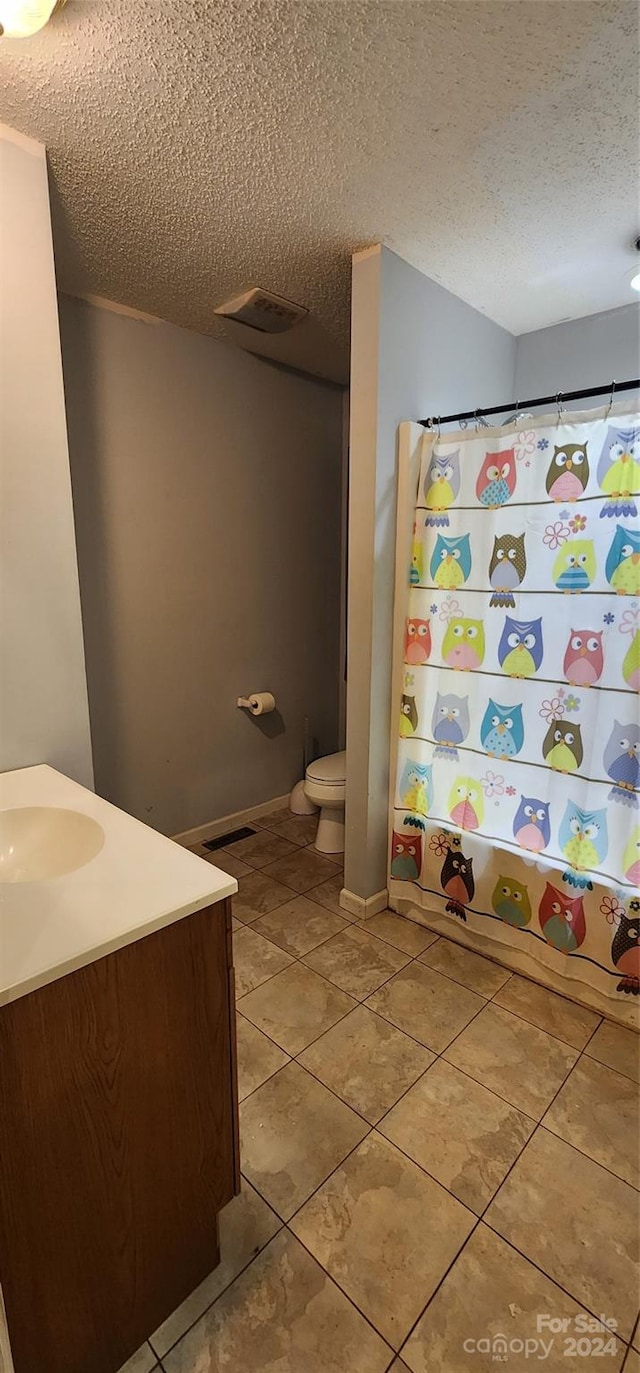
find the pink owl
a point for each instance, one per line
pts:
(406, 856)
(497, 478)
(562, 919)
(417, 641)
(584, 658)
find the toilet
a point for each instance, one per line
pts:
(325, 786)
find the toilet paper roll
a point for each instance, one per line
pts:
(262, 703)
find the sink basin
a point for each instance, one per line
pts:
(38, 842)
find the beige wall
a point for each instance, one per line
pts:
(416, 350)
(207, 496)
(43, 691)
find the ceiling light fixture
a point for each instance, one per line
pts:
(635, 282)
(22, 18)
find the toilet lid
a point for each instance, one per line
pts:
(333, 768)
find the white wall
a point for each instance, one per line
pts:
(580, 353)
(43, 694)
(416, 350)
(207, 489)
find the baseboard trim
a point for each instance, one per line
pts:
(363, 906)
(214, 828)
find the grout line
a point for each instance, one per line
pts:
(537, 1124)
(482, 1216)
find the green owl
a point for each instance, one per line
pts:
(631, 859)
(417, 560)
(575, 566)
(631, 664)
(463, 644)
(511, 902)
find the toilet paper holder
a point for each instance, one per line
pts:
(258, 703)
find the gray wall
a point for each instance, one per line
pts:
(582, 352)
(416, 350)
(206, 492)
(44, 716)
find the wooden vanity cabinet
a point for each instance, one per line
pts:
(118, 1144)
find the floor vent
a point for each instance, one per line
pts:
(223, 839)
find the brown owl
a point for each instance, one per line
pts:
(507, 567)
(568, 472)
(562, 747)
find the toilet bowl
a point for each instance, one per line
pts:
(325, 786)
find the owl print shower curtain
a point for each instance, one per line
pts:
(515, 819)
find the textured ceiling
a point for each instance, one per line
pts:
(199, 148)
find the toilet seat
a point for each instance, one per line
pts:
(332, 769)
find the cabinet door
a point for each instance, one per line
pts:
(118, 1145)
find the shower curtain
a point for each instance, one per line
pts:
(515, 816)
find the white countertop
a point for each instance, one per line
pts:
(139, 882)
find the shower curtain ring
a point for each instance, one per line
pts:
(613, 387)
(439, 423)
(476, 418)
(559, 406)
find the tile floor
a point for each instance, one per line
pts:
(437, 1156)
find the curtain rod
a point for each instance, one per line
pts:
(518, 405)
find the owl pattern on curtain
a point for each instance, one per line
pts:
(517, 795)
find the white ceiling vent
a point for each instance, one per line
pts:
(263, 310)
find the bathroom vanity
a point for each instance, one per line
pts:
(118, 1101)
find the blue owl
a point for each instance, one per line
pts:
(450, 562)
(532, 824)
(622, 567)
(583, 837)
(622, 762)
(450, 724)
(521, 647)
(416, 787)
(502, 730)
(619, 471)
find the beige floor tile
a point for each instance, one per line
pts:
(403, 934)
(559, 1017)
(302, 869)
(492, 1292)
(255, 959)
(258, 1057)
(618, 1048)
(298, 829)
(296, 1007)
(282, 1315)
(256, 895)
(470, 969)
(398, 1367)
(575, 1221)
(293, 1133)
(328, 895)
(632, 1362)
(227, 863)
(386, 1232)
(246, 1226)
(513, 1059)
(598, 1111)
(261, 848)
(636, 1337)
(356, 961)
(426, 1005)
(143, 1361)
(299, 925)
(367, 1061)
(463, 1135)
